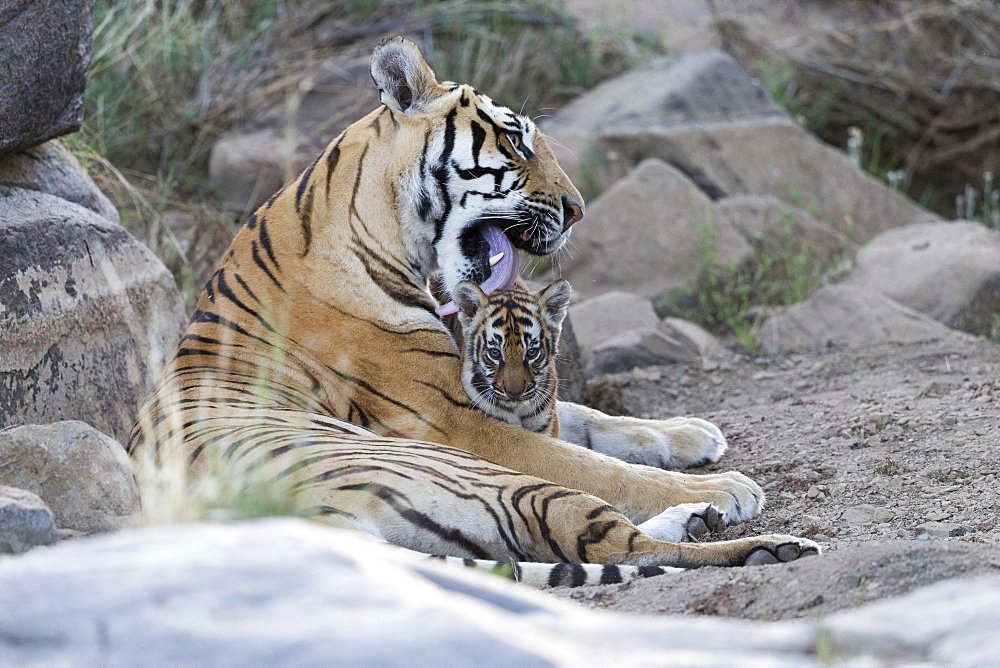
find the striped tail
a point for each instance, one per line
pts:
(561, 575)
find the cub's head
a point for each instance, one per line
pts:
(474, 180)
(510, 345)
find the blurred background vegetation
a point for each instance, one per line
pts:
(910, 92)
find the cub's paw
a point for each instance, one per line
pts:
(776, 549)
(683, 523)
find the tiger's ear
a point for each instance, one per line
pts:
(469, 298)
(404, 80)
(555, 300)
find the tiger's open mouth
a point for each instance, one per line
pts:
(495, 258)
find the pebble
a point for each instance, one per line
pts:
(938, 516)
(865, 515)
(941, 529)
(878, 419)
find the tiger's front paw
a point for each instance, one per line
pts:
(675, 443)
(684, 523)
(733, 494)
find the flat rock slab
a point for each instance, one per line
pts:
(847, 316)
(291, 592)
(840, 579)
(940, 269)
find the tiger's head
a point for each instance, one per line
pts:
(474, 180)
(510, 342)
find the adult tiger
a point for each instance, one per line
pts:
(315, 356)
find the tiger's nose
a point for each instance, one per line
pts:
(572, 212)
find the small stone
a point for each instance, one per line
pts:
(893, 484)
(941, 529)
(949, 421)
(882, 515)
(878, 419)
(25, 521)
(815, 493)
(938, 516)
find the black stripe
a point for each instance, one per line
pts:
(440, 172)
(610, 574)
(306, 218)
(259, 261)
(265, 241)
(650, 571)
(331, 162)
(303, 182)
(556, 575)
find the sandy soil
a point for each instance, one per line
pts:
(888, 456)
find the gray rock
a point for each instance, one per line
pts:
(25, 521)
(643, 346)
(707, 118)
(945, 270)
(44, 55)
(292, 592)
(603, 317)
(844, 315)
(87, 313)
(82, 474)
(246, 169)
(51, 169)
(952, 622)
(779, 227)
(942, 529)
(644, 234)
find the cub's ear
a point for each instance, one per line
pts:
(404, 80)
(469, 298)
(555, 300)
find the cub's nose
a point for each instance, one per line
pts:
(572, 212)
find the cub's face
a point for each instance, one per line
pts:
(510, 344)
(482, 182)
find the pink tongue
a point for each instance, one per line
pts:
(504, 272)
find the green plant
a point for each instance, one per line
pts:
(982, 206)
(810, 110)
(727, 299)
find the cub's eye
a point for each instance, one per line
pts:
(532, 353)
(494, 354)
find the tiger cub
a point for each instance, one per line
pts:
(509, 340)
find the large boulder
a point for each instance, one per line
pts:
(705, 116)
(25, 521)
(949, 271)
(84, 476)
(44, 56)
(846, 316)
(646, 234)
(619, 331)
(87, 313)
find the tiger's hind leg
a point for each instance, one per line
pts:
(442, 500)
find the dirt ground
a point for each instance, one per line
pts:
(887, 456)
